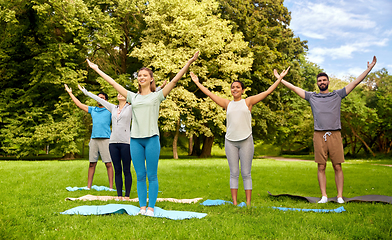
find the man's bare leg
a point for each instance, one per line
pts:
(339, 179)
(322, 179)
(109, 168)
(91, 171)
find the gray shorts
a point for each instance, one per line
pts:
(99, 146)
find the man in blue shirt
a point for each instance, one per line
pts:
(326, 115)
(100, 135)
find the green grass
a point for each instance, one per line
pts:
(33, 193)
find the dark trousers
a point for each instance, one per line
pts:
(120, 152)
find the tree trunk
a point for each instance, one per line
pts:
(364, 143)
(83, 149)
(190, 145)
(207, 146)
(69, 156)
(196, 146)
(175, 140)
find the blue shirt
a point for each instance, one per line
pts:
(101, 122)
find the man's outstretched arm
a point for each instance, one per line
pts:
(297, 90)
(82, 106)
(360, 78)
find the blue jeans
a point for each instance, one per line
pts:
(145, 153)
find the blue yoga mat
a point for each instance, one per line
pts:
(95, 187)
(131, 210)
(337, 210)
(216, 202)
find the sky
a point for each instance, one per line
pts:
(343, 35)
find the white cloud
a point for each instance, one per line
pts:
(356, 71)
(388, 33)
(343, 35)
(318, 54)
(314, 58)
(323, 20)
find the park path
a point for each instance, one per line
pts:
(286, 159)
(302, 160)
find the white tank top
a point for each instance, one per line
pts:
(238, 121)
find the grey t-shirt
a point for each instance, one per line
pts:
(326, 109)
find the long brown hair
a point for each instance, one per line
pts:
(153, 86)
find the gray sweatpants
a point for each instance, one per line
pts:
(237, 151)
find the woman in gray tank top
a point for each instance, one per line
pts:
(238, 140)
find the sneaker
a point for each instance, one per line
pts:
(142, 212)
(340, 200)
(150, 213)
(324, 199)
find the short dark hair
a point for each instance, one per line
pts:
(106, 96)
(241, 83)
(322, 74)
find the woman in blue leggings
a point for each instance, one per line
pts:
(239, 140)
(145, 146)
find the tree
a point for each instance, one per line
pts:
(295, 134)
(379, 98)
(174, 31)
(42, 44)
(45, 44)
(265, 26)
(357, 120)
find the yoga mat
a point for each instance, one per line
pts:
(365, 198)
(337, 210)
(106, 198)
(131, 210)
(217, 202)
(95, 187)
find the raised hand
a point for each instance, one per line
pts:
(164, 84)
(68, 89)
(92, 65)
(194, 77)
(81, 88)
(194, 58)
(276, 73)
(371, 65)
(282, 74)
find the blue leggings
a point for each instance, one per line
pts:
(118, 152)
(145, 151)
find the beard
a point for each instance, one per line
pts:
(323, 87)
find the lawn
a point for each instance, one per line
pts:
(33, 195)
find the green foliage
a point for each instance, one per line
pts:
(265, 26)
(295, 134)
(174, 31)
(379, 97)
(42, 46)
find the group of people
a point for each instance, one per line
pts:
(139, 141)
